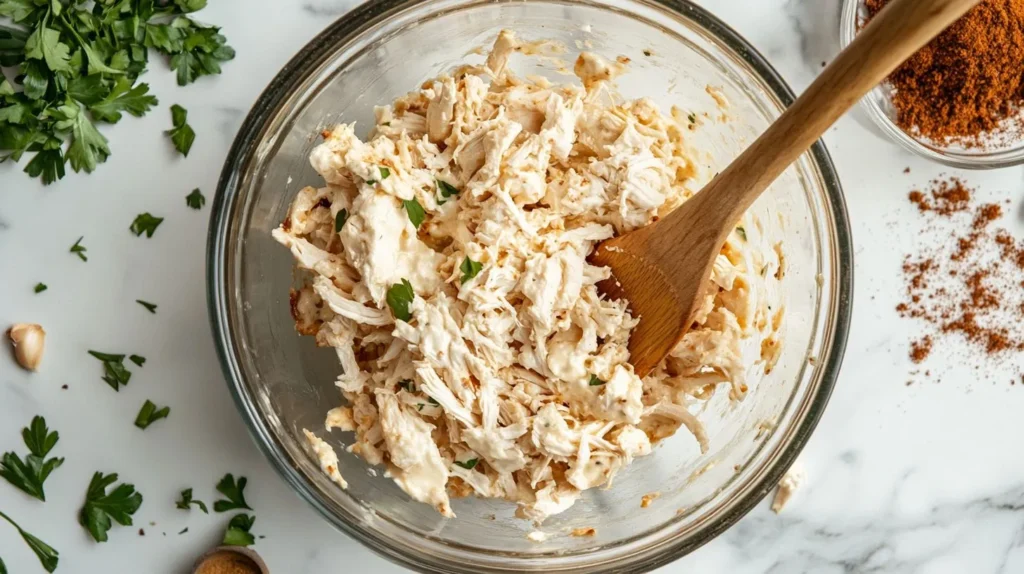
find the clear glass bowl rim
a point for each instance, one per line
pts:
(225, 204)
(870, 105)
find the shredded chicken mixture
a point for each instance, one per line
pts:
(447, 266)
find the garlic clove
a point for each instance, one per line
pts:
(28, 340)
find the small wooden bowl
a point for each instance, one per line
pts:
(238, 551)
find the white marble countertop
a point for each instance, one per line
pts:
(921, 478)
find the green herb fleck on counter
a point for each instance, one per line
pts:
(145, 223)
(137, 359)
(186, 502)
(195, 200)
(39, 288)
(151, 307)
(149, 414)
(114, 372)
(182, 134)
(79, 249)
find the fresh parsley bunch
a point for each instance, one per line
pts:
(77, 62)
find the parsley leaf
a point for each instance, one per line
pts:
(596, 382)
(186, 501)
(137, 359)
(339, 220)
(101, 507)
(238, 532)
(182, 135)
(151, 307)
(398, 298)
(470, 269)
(79, 249)
(123, 98)
(447, 190)
(149, 414)
(415, 211)
(145, 223)
(196, 50)
(114, 372)
(384, 172)
(48, 164)
(469, 464)
(235, 491)
(39, 288)
(30, 474)
(48, 557)
(742, 233)
(44, 44)
(88, 146)
(195, 200)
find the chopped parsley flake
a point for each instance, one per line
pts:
(470, 269)
(400, 295)
(742, 233)
(137, 359)
(415, 211)
(447, 190)
(595, 382)
(39, 288)
(182, 134)
(151, 307)
(149, 414)
(186, 502)
(79, 249)
(145, 223)
(384, 173)
(469, 464)
(340, 219)
(114, 372)
(195, 200)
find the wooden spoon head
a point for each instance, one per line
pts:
(662, 270)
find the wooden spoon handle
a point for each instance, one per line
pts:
(892, 36)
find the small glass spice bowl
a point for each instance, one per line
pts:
(1004, 150)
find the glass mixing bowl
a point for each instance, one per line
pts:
(679, 55)
(1006, 147)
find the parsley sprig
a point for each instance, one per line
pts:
(186, 502)
(235, 493)
(101, 508)
(30, 474)
(79, 249)
(77, 64)
(48, 557)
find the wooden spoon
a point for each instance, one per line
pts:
(664, 268)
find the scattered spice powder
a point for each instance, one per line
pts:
(962, 85)
(968, 285)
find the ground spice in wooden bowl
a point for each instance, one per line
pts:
(967, 81)
(969, 286)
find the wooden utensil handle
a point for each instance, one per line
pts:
(892, 36)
